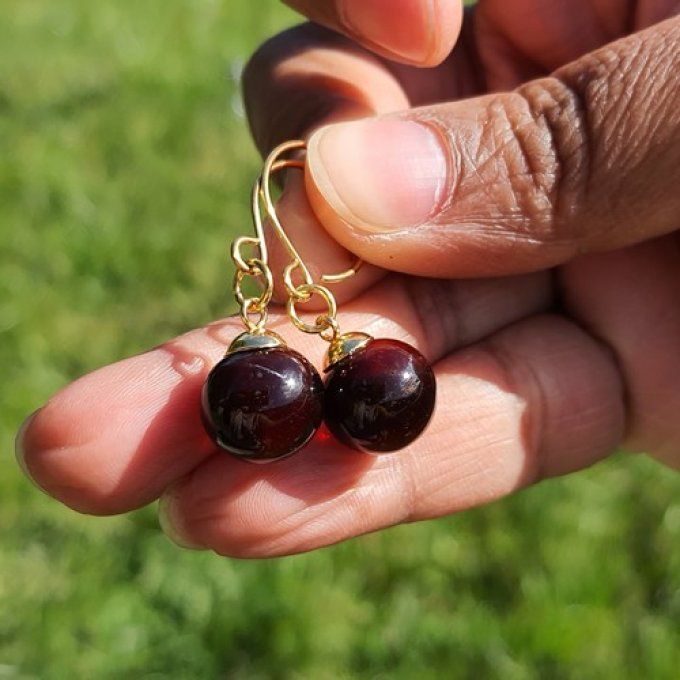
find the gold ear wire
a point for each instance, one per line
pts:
(326, 325)
(273, 164)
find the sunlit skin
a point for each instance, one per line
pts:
(526, 243)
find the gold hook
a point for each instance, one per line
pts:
(257, 267)
(275, 163)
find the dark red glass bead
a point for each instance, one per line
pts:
(380, 397)
(263, 404)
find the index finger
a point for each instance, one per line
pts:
(115, 439)
(417, 32)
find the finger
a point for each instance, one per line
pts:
(308, 76)
(538, 399)
(304, 78)
(587, 160)
(113, 440)
(420, 32)
(639, 317)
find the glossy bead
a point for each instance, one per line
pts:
(262, 404)
(380, 397)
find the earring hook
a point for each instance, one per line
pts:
(274, 163)
(257, 266)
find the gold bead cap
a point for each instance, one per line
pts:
(250, 341)
(343, 345)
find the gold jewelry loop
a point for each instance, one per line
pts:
(258, 270)
(237, 256)
(248, 308)
(323, 321)
(332, 326)
(292, 289)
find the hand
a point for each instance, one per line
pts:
(564, 189)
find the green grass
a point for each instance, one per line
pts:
(124, 169)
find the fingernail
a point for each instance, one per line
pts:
(172, 525)
(408, 33)
(19, 449)
(379, 175)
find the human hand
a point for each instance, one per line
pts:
(562, 193)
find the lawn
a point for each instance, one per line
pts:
(125, 167)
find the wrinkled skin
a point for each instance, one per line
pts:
(543, 281)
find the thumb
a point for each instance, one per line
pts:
(585, 160)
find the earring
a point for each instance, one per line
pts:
(379, 393)
(263, 401)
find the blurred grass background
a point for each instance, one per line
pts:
(124, 168)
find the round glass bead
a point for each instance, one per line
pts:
(379, 398)
(262, 404)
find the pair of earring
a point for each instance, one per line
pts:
(264, 401)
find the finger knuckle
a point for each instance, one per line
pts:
(575, 138)
(615, 99)
(554, 149)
